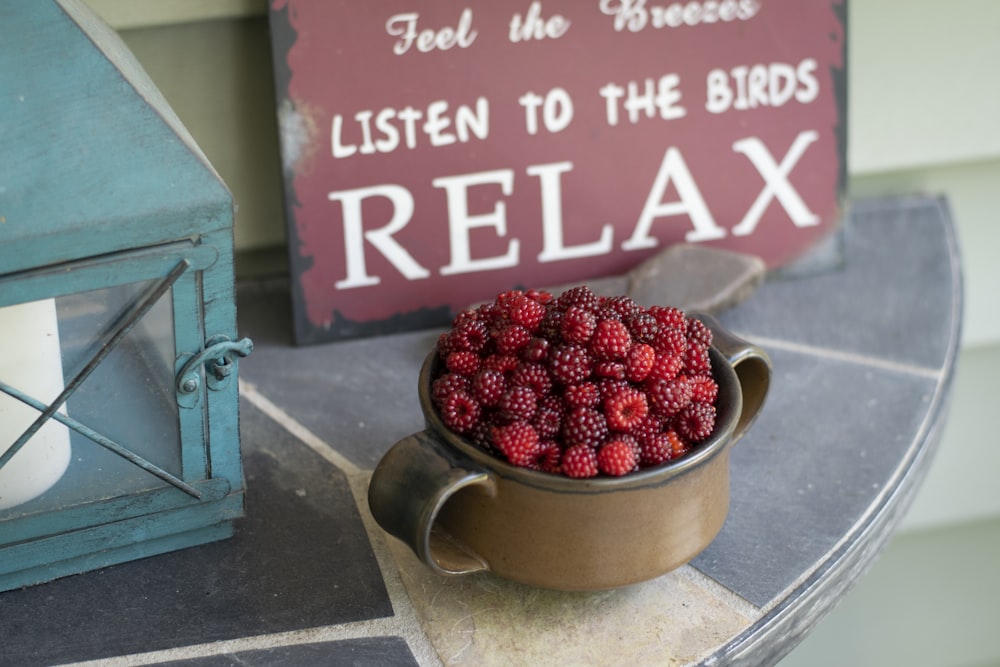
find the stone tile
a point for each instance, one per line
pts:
(367, 652)
(826, 445)
(299, 559)
(892, 283)
(483, 620)
(360, 396)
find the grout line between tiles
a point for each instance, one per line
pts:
(403, 623)
(841, 355)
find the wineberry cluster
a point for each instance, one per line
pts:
(578, 384)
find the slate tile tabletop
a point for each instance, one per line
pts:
(863, 335)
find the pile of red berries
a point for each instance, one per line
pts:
(578, 384)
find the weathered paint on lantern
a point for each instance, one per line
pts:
(103, 192)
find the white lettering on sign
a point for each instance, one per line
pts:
(532, 26)
(776, 182)
(636, 15)
(772, 85)
(460, 222)
(381, 239)
(404, 26)
(655, 99)
(553, 247)
(557, 110)
(673, 170)
(395, 127)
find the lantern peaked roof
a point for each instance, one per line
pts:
(94, 161)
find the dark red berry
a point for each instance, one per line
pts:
(625, 410)
(463, 362)
(616, 458)
(570, 363)
(537, 349)
(611, 340)
(518, 404)
(578, 324)
(581, 296)
(532, 375)
(665, 367)
(579, 461)
(669, 317)
(512, 338)
(519, 443)
(584, 426)
(487, 386)
(460, 411)
(639, 362)
(525, 311)
(583, 395)
(695, 422)
(704, 389)
(548, 417)
(697, 331)
(669, 396)
(447, 384)
(696, 360)
(643, 327)
(612, 370)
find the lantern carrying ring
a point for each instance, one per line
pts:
(217, 358)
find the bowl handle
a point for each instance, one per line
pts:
(408, 488)
(752, 366)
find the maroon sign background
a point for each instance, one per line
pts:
(436, 153)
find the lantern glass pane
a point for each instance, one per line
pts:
(123, 410)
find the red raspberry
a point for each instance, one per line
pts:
(525, 311)
(643, 327)
(460, 412)
(518, 442)
(611, 340)
(697, 331)
(696, 360)
(447, 384)
(570, 363)
(612, 370)
(502, 363)
(532, 375)
(541, 296)
(537, 349)
(579, 461)
(583, 395)
(512, 338)
(625, 410)
(648, 427)
(487, 386)
(548, 417)
(551, 326)
(581, 296)
(665, 367)
(704, 389)
(669, 317)
(443, 346)
(608, 387)
(469, 333)
(622, 307)
(518, 404)
(463, 363)
(670, 341)
(661, 447)
(639, 362)
(696, 421)
(550, 459)
(669, 397)
(616, 458)
(578, 324)
(584, 426)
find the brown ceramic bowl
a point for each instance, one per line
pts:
(462, 510)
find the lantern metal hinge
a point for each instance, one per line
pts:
(214, 366)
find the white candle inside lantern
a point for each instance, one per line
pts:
(31, 362)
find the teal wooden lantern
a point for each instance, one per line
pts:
(119, 428)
